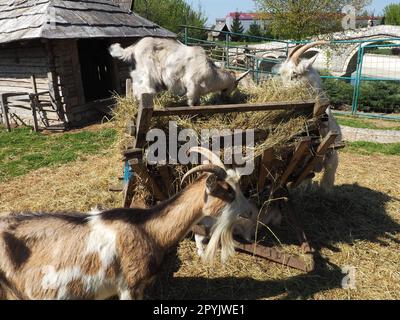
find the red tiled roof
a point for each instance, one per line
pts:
(244, 16)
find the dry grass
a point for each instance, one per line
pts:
(77, 186)
(282, 125)
(357, 225)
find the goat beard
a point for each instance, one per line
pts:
(222, 234)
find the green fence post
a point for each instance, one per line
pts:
(186, 35)
(227, 49)
(357, 85)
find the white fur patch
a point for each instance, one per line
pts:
(93, 284)
(101, 240)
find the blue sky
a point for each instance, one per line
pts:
(219, 8)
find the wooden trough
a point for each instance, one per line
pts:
(298, 160)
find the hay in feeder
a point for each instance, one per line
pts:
(282, 126)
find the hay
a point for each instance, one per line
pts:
(283, 126)
(357, 225)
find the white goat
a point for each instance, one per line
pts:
(166, 64)
(295, 69)
(116, 252)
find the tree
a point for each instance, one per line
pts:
(392, 14)
(299, 19)
(171, 14)
(237, 27)
(255, 31)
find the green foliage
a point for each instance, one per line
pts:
(380, 96)
(340, 92)
(375, 96)
(237, 27)
(392, 14)
(22, 150)
(171, 14)
(304, 18)
(255, 31)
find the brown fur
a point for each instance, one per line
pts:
(35, 245)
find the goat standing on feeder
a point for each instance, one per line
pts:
(295, 69)
(116, 252)
(166, 64)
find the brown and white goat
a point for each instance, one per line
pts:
(295, 69)
(166, 64)
(115, 252)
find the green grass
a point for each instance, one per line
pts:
(366, 123)
(370, 148)
(22, 150)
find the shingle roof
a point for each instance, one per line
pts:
(70, 19)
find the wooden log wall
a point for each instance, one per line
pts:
(18, 62)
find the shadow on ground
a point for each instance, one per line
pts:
(348, 214)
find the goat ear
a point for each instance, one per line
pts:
(310, 62)
(212, 184)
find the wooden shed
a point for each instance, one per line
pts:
(55, 68)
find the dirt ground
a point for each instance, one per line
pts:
(355, 226)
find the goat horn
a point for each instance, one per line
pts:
(293, 51)
(211, 168)
(242, 76)
(211, 156)
(295, 56)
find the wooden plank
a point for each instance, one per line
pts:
(34, 115)
(4, 111)
(301, 149)
(265, 164)
(133, 153)
(269, 253)
(145, 113)
(221, 109)
(128, 86)
(53, 81)
(320, 107)
(140, 169)
(323, 147)
(128, 192)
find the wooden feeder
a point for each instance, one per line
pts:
(299, 160)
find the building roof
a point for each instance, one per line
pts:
(244, 16)
(72, 19)
(221, 26)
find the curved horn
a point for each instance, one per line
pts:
(294, 50)
(295, 57)
(211, 168)
(211, 156)
(242, 76)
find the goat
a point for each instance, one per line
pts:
(115, 252)
(166, 64)
(295, 69)
(245, 228)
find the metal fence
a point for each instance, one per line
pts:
(368, 87)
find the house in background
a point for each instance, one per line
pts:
(59, 50)
(247, 19)
(265, 19)
(218, 34)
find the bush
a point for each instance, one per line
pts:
(380, 96)
(375, 96)
(340, 92)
